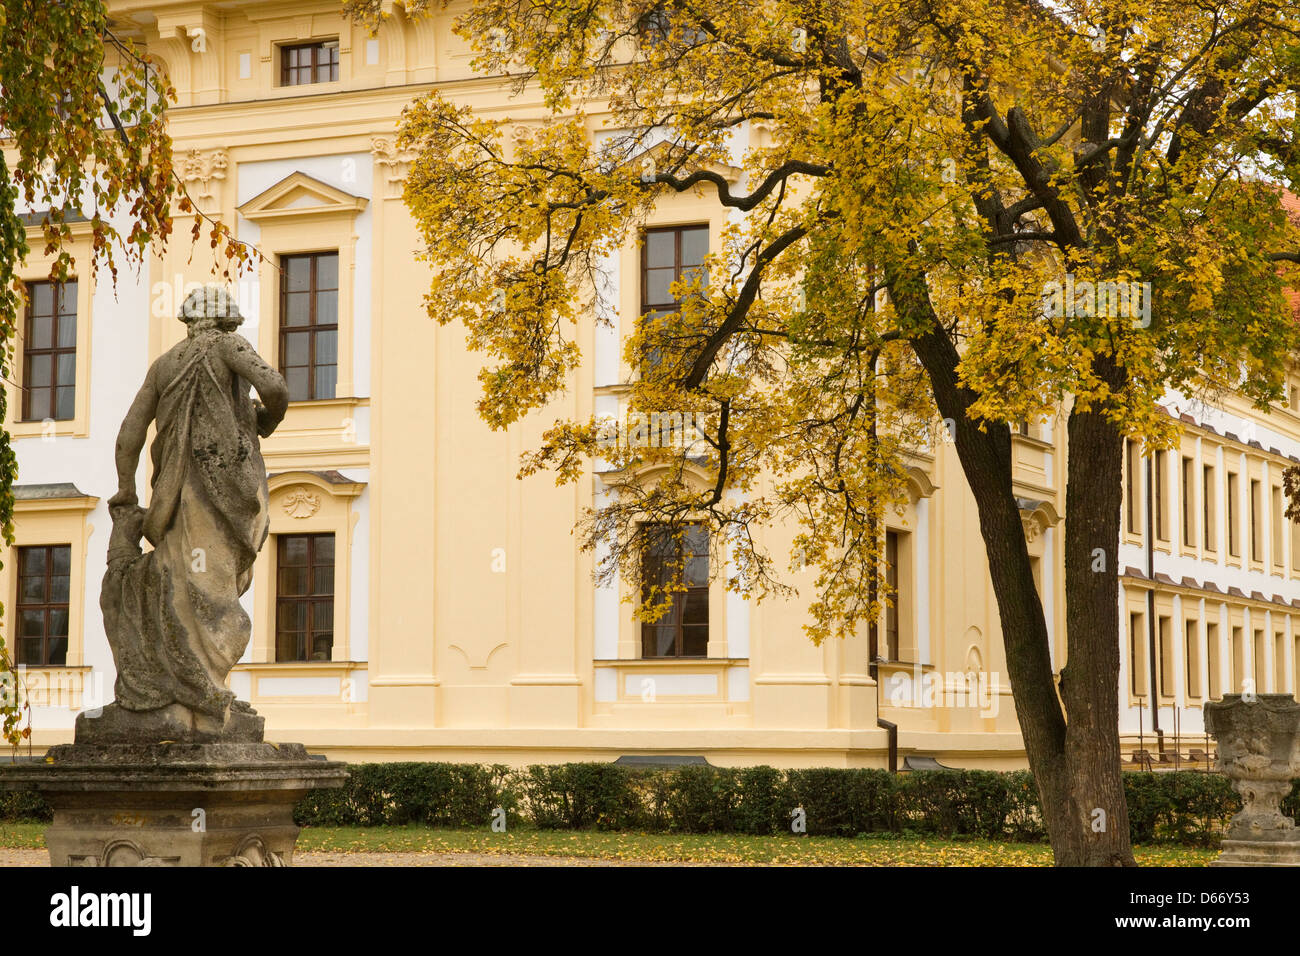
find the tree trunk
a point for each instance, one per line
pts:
(1090, 681)
(1076, 767)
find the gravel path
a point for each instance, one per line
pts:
(41, 858)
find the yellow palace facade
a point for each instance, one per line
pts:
(415, 601)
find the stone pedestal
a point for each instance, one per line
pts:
(1259, 750)
(172, 803)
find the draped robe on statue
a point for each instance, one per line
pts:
(172, 614)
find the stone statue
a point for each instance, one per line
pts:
(123, 793)
(172, 614)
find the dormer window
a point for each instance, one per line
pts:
(304, 63)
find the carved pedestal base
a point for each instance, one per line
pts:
(173, 804)
(1259, 750)
(1259, 853)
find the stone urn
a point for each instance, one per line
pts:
(1258, 738)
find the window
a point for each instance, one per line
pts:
(657, 27)
(1275, 525)
(1189, 509)
(676, 558)
(44, 575)
(1279, 662)
(1295, 666)
(1192, 654)
(305, 63)
(1295, 545)
(1256, 546)
(304, 597)
(1257, 664)
(1159, 496)
(1208, 499)
(1164, 631)
(1137, 656)
(1131, 484)
(1213, 658)
(1238, 661)
(1234, 544)
(50, 352)
(667, 256)
(893, 608)
(309, 324)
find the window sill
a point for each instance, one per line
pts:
(686, 680)
(280, 91)
(62, 686)
(318, 434)
(278, 676)
(669, 661)
(63, 428)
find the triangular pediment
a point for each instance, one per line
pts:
(299, 195)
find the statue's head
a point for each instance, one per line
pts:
(210, 307)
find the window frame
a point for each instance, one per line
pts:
(45, 606)
(1159, 494)
(306, 638)
(1213, 661)
(1166, 679)
(1139, 675)
(648, 629)
(1209, 509)
(1255, 504)
(39, 267)
(1132, 515)
(1192, 658)
(661, 310)
(312, 329)
(54, 351)
(316, 47)
(1232, 531)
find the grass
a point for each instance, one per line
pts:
(876, 850)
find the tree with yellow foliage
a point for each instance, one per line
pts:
(958, 215)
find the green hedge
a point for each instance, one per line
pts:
(1183, 807)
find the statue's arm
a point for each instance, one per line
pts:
(131, 438)
(243, 360)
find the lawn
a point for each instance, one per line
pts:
(700, 848)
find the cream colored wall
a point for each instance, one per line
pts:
(471, 629)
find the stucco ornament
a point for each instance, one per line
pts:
(301, 503)
(1259, 750)
(172, 614)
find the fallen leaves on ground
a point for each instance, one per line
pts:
(715, 848)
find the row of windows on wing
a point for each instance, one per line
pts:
(304, 600)
(309, 324)
(1207, 646)
(1213, 498)
(309, 311)
(305, 563)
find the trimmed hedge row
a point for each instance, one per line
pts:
(1183, 807)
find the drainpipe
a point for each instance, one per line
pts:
(1151, 610)
(888, 725)
(893, 742)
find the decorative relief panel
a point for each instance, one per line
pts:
(301, 503)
